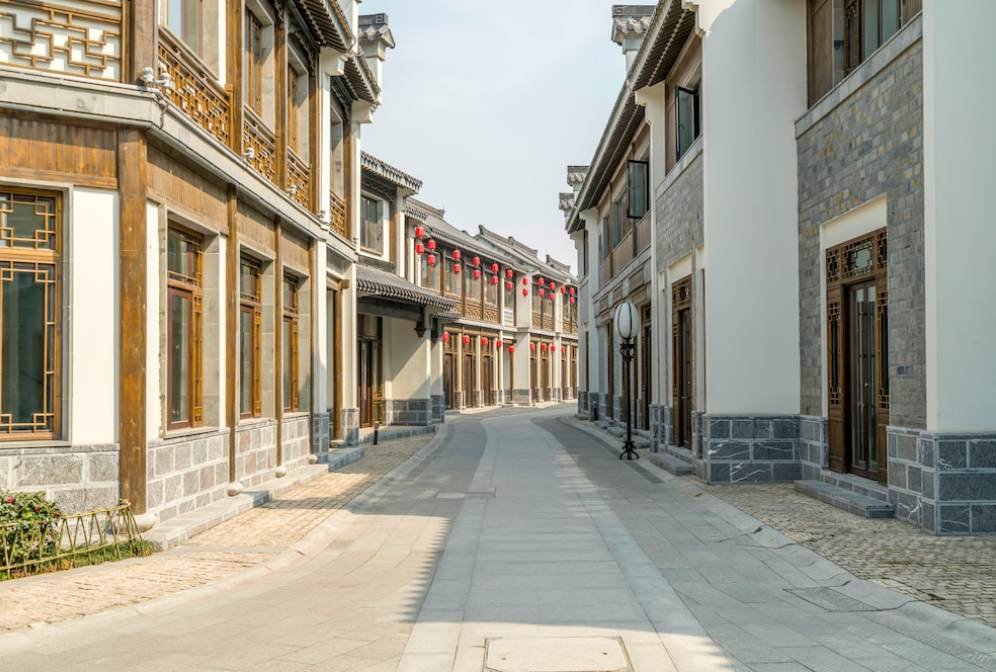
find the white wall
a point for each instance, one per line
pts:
(754, 88)
(960, 236)
(407, 367)
(94, 346)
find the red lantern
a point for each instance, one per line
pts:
(476, 261)
(466, 340)
(509, 286)
(543, 347)
(525, 292)
(525, 281)
(430, 244)
(553, 295)
(419, 231)
(419, 249)
(561, 289)
(431, 260)
(572, 299)
(541, 292)
(509, 274)
(494, 279)
(456, 269)
(494, 268)
(572, 291)
(511, 349)
(477, 274)
(456, 254)
(541, 282)
(446, 337)
(553, 286)
(532, 346)
(499, 343)
(553, 348)
(484, 341)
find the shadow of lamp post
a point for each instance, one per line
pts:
(626, 324)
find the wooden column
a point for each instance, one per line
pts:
(317, 294)
(132, 186)
(349, 170)
(232, 321)
(314, 138)
(235, 55)
(143, 32)
(337, 364)
(278, 338)
(280, 92)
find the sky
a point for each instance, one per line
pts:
(489, 102)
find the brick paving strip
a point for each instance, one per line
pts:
(955, 573)
(234, 546)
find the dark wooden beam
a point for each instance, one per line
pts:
(236, 52)
(143, 31)
(232, 341)
(132, 188)
(278, 337)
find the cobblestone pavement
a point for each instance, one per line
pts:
(232, 547)
(955, 573)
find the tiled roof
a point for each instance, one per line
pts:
(372, 281)
(390, 173)
(328, 22)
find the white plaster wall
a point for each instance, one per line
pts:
(319, 307)
(348, 350)
(94, 315)
(959, 232)
(407, 367)
(754, 87)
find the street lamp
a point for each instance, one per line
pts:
(626, 324)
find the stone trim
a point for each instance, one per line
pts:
(349, 419)
(413, 412)
(679, 168)
(438, 408)
(76, 477)
(751, 449)
(321, 433)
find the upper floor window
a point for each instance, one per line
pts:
(509, 289)
(452, 276)
(867, 25)
(289, 345)
(618, 225)
(298, 119)
(253, 67)
(184, 329)
(638, 188)
(491, 281)
(185, 19)
(372, 229)
(687, 118)
(429, 274)
(337, 142)
(30, 361)
(472, 283)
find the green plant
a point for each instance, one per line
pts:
(28, 526)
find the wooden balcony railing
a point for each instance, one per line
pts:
(195, 90)
(472, 310)
(260, 146)
(338, 214)
(548, 321)
(299, 179)
(537, 320)
(491, 313)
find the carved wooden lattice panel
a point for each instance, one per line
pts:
(195, 90)
(260, 147)
(83, 39)
(491, 313)
(472, 309)
(548, 320)
(299, 180)
(338, 215)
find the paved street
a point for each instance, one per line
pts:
(519, 543)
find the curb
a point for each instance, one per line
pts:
(314, 541)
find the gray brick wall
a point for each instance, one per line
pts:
(77, 478)
(870, 144)
(186, 473)
(295, 440)
(679, 212)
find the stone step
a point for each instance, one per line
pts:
(680, 454)
(670, 463)
(848, 500)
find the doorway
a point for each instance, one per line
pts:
(610, 402)
(370, 380)
(487, 379)
(682, 362)
(469, 380)
(645, 365)
(858, 356)
(450, 371)
(534, 375)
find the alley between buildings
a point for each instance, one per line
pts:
(516, 541)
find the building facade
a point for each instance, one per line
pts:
(802, 285)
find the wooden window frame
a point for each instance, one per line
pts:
(42, 258)
(191, 287)
(292, 285)
(295, 110)
(198, 43)
(253, 57)
(632, 169)
(365, 224)
(252, 304)
(696, 130)
(450, 262)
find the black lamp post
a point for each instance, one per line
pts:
(625, 323)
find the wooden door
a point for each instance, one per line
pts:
(534, 381)
(449, 379)
(545, 375)
(364, 383)
(861, 380)
(646, 355)
(610, 404)
(469, 380)
(682, 354)
(487, 380)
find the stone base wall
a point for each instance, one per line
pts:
(295, 441)
(522, 397)
(321, 433)
(657, 431)
(458, 399)
(349, 419)
(438, 408)
(411, 412)
(751, 449)
(187, 472)
(77, 478)
(477, 397)
(255, 452)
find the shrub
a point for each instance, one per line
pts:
(28, 527)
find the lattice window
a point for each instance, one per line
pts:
(30, 297)
(291, 391)
(250, 338)
(184, 329)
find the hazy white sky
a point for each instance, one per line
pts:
(488, 102)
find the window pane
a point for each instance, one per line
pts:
(28, 221)
(637, 173)
(491, 292)
(870, 27)
(179, 357)
(246, 361)
(686, 131)
(890, 18)
(288, 364)
(24, 347)
(338, 179)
